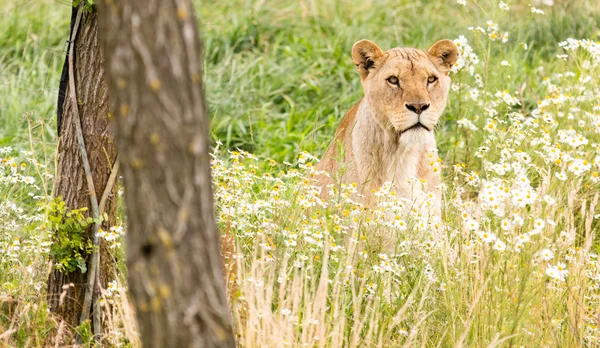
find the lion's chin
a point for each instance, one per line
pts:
(416, 137)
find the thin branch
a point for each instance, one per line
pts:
(94, 261)
(107, 189)
(109, 184)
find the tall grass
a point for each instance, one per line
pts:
(312, 273)
(32, 41)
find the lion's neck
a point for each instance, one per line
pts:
(382, 155)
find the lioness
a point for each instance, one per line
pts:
(388, 134)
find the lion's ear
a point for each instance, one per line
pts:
(444, 53)
(366, 55)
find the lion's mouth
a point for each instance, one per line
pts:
(416, 126)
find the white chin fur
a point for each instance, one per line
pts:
(417, 138)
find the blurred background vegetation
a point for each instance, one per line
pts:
(279, 76)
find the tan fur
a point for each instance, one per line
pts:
(377, 144)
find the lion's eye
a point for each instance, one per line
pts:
(431, 79)
(393, 80)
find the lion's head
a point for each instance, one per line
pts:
(407, 88)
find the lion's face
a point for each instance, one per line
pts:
(407, 88)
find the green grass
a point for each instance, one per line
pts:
(32, 39)
(282, 76)
(278, 73)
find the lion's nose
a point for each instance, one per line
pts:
(417, 108)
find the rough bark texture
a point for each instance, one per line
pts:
(153, 61)
(70, 182)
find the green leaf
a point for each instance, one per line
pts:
(81, 265)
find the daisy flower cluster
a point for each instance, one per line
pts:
(467, 59)
(24, 244)
(284, 220)
(19, 190)
(113, 236)
(592, 48)
(539, 181)
(492, 31)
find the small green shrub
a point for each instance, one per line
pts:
(70, 243)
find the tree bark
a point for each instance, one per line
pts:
(92, 96)
(154, 62)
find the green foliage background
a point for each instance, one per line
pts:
(279, 76)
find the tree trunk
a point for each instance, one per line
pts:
(154, 63)
(92, 96)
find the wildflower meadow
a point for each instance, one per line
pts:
(513, 260)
